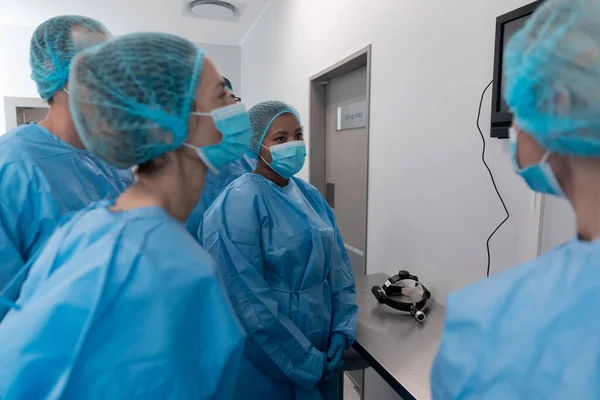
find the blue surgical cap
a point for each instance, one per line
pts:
(262, 116)
(53, 46)
(552, 71)
(131, 97)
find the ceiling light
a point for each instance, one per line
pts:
(212, 9)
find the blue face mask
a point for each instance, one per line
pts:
(234, 124)
(288, 158)
(539, 177)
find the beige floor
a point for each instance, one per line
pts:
(350, 393)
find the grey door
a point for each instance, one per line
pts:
(346, 144)
(26, 115)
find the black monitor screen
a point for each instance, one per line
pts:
(507, 26)
(510, 28)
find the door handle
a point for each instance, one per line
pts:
(330, 194)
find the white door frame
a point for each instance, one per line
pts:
(12, 103)
(538, 219)
(317, 142)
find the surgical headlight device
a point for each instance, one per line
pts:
(394, 287)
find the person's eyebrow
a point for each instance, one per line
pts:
(280, 131)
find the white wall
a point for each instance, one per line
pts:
(431, 202)
(15, 71)
(228, 60)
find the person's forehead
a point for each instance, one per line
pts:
(210, 79)
(210, 70)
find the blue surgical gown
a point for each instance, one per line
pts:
(531, 332)
(284, 265)
(42, 178)
(121, 305)
(213, 186)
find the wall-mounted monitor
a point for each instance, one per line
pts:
(506, 26)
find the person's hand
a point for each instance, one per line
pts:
(325, 363)
(337, 345)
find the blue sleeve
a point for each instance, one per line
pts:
(344, 310)
(231, 234)
(20, 197)
(165, 329)
(33, 361)
(459, 359)
(11, 260)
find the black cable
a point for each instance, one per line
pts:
(489, 258)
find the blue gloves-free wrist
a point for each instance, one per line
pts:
(337, 345)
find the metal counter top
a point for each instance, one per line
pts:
(399, 348)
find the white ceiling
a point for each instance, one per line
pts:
(126, 16)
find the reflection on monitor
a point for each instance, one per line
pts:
(507, 26)
(510, 28)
